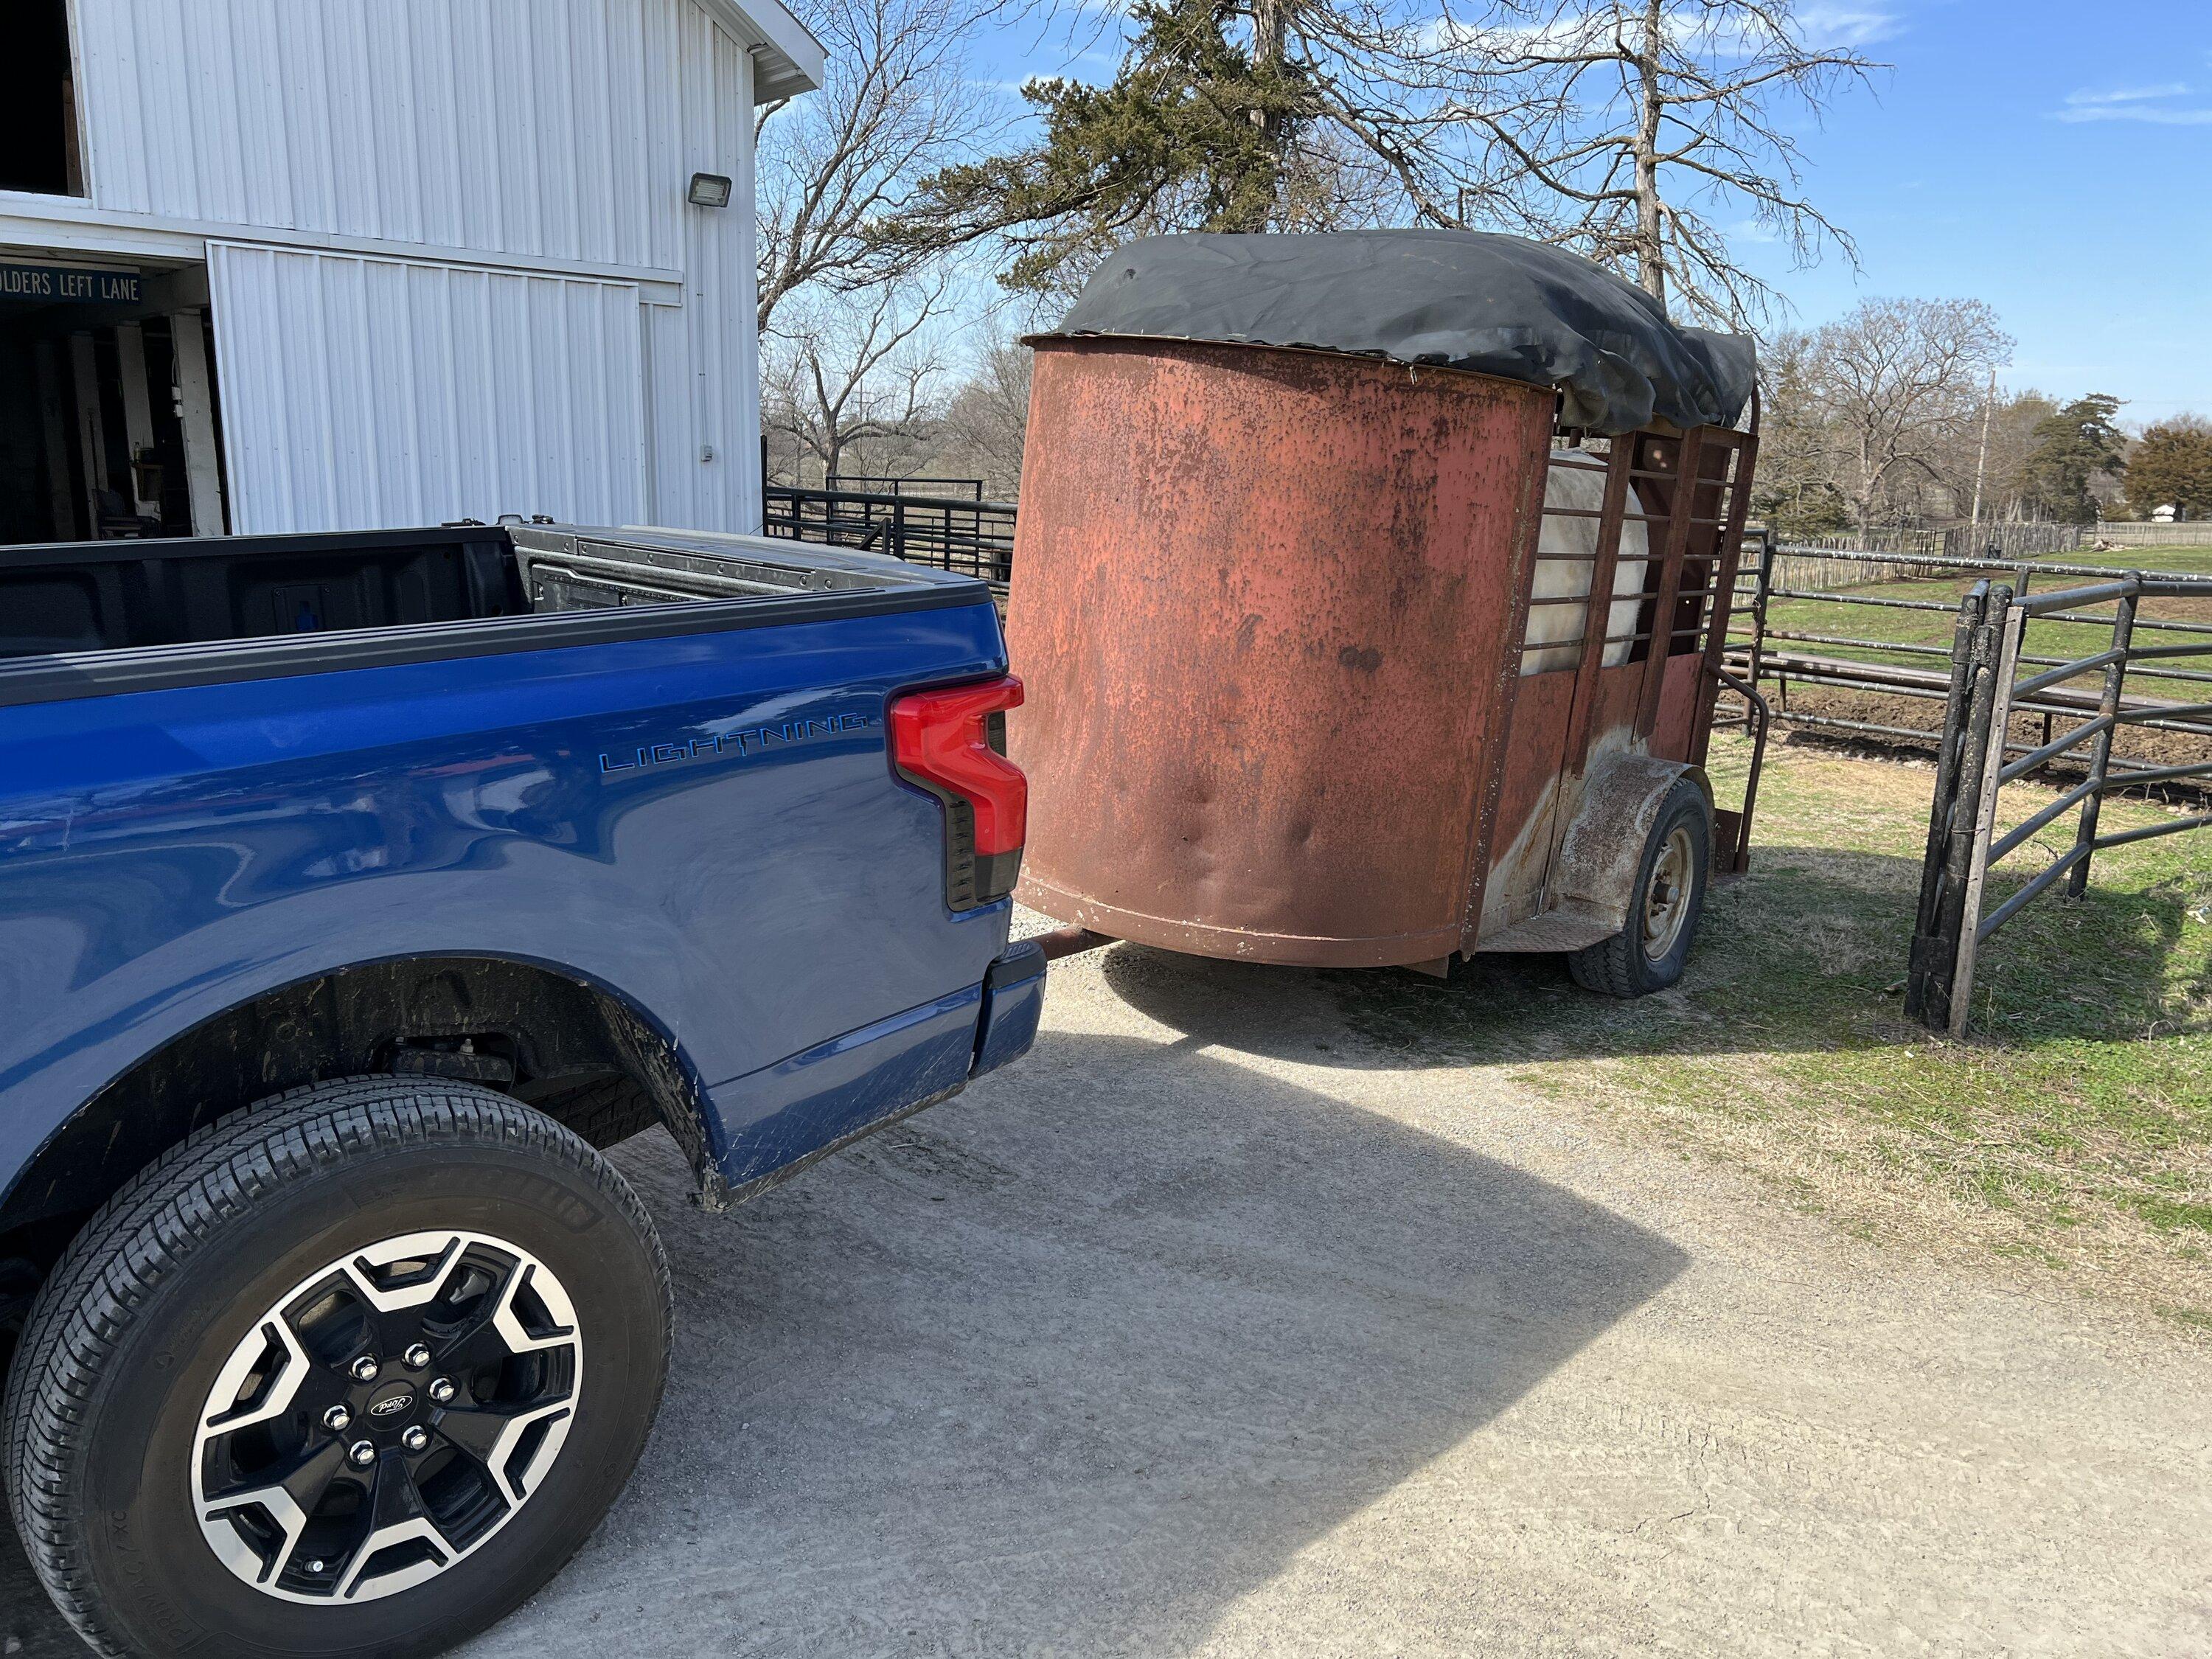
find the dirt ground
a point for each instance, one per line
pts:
(1217, 1329)
(2144, 746)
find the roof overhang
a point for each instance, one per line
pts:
(788, 59)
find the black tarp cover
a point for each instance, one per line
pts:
(1495, 305)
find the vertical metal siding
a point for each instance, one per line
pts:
(705, 376)
(518, 130)
(540, 128)
(367, 393)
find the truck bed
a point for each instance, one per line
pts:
(650, 768)
(79, 619)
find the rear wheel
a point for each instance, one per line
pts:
(354, 1372)
(1668, 902)
(17, 1283)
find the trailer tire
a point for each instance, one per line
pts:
(293, 1305)
(1664, 907)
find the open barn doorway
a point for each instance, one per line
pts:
(108, 421)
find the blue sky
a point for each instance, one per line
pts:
(2051, 158)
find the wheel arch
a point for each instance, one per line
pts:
(1603, 849)
(566, 1043)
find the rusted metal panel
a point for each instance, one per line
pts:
(1677, 706)
(1527, 819)
(1682, 509)
(1263, 603)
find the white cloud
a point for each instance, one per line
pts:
(2151, 104)
(2164, 118)
(2127, 94)
(1824, 25)
(1830, 24)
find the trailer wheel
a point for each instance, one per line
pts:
(352, 1372)
(1669, 899)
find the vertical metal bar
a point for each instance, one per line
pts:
(2100, 759)
(2014, 624)
(1688, 461)
(1726, 557)
(1597, 620)
(91, 431)
(1762, 596)
(137, 412)
(1934, 952)
(61, 492)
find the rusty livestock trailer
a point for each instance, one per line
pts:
(1340, 657)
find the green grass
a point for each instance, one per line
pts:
(1836, 617)
(2073, 1129)
(2173, 561)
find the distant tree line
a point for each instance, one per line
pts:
(1892, 416)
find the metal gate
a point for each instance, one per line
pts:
(1979, 756)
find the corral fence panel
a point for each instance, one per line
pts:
(971, 537)
(1975, 759)
(1856, 644)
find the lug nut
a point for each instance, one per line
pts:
(417, 1357)
(416, 1438)
(362, 1454)
(366, 1368)
(442, 1390)
(337, 1418)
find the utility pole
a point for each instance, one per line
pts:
(1981, 464)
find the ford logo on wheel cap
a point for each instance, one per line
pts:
(391, 1405)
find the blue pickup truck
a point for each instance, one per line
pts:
(355, 892)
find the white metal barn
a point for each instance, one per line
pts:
(285, 265)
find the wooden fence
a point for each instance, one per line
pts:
(2114, 534)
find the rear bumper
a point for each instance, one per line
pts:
(775, 1122)
(1013, 999)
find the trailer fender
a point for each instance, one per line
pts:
(1595, 875)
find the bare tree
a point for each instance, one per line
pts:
(897, 104)
(1621, 127)
(987, 421)
(1798, 491)
(859, 372)
(1896, 384)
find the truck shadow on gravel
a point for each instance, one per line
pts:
(1070, 1365)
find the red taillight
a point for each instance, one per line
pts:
(952, 742)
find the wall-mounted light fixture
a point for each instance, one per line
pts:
(710, 189)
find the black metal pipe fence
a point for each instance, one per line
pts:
(1976, 759)
(972, 537)
(867, 483)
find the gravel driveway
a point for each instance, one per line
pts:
(1213, 1330)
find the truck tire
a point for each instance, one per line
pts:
(352, 1372)
(1665, 906)
(17, 1285)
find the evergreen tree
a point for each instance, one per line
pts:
(2173, 467)
(1196, 134)
(2074, 448)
